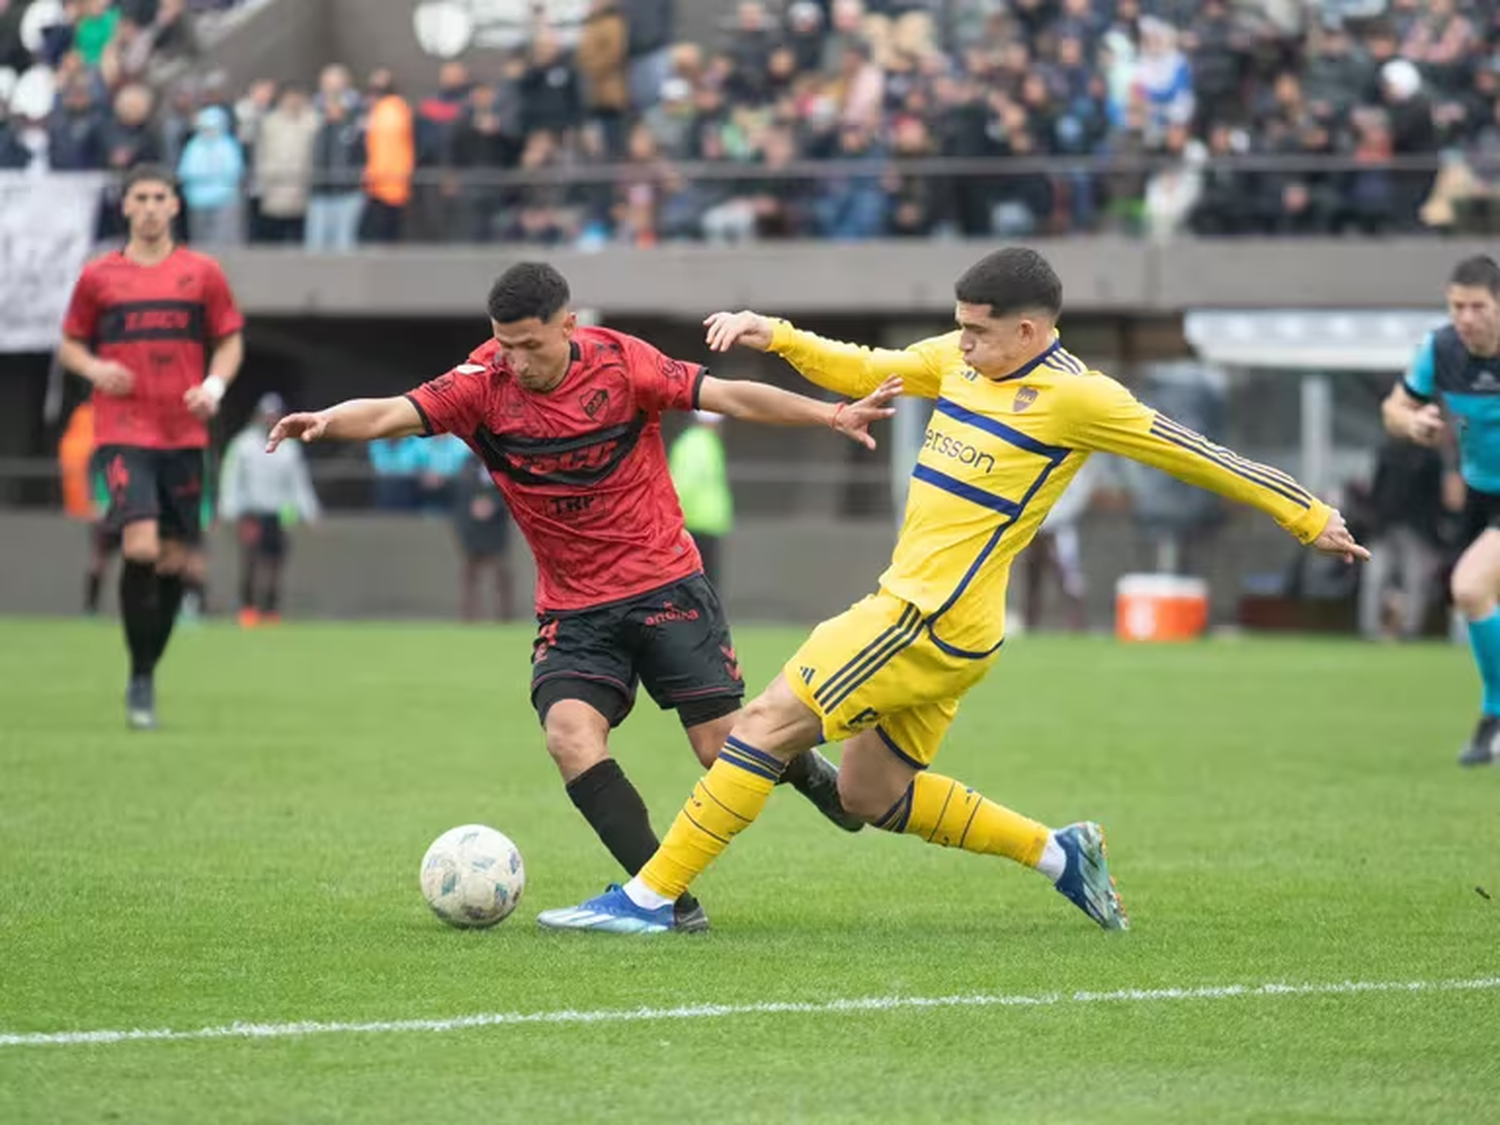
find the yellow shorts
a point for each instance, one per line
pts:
(875, 667)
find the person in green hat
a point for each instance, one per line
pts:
(696, 463)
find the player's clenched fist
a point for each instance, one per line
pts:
(202, 403)
(297, 427)
(1427, 426)
(111, 377)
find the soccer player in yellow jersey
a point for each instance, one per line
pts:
(1016, 416)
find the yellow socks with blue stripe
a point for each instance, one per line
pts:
(944, 812)
(1484, 639)
(724, 803)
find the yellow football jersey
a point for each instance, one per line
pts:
(999, 452)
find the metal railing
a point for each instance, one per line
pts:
(568, 174)
(662, 200)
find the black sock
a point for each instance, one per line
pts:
(618, 816)
(797, 770)
(91, 591)
(247, 578)
(139, 607)
(169, 601)
(270, 600)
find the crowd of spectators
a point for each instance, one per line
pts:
(823, 118)
(79, 83)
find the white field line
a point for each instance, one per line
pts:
(715, 1011)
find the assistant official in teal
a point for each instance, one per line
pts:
(1457, 367)
(701, 477)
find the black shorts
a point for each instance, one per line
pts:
(675, 640)
(165, 485)
(263, 536)
(1481, 512)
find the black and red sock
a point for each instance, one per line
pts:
(618, 816)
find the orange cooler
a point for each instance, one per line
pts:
(1160, 607)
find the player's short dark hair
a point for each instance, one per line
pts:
(1010, 281)
(528, 289)
(149, 174)
(1478, 272)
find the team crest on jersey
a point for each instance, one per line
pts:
(1025, 397)
(596, 403)
(671, 368)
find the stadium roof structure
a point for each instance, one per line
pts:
(1309, 339)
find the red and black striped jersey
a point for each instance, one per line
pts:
(582, 466)
(161, 322)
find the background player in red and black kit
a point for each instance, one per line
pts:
(568, 421)
(155, 329)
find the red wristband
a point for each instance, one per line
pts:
(833, 423)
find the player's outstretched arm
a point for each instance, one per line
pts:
(772, 406)
(846, 369)
(359, 419)
(1102, 415)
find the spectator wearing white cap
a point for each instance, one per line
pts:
(1413, 133)
(805, 31)
(697, 465)
(672, 120)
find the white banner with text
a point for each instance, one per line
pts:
(47, 225)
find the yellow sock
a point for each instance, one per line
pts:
(943, 812)
(724, 803)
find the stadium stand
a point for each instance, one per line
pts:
(838, 119)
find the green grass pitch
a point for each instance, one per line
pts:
(1279, 813)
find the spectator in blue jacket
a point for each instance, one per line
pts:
(211, 171)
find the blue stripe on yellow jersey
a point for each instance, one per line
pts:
(997, 455)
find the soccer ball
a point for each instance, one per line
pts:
(472, 876)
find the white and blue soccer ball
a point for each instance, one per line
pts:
(472, 876)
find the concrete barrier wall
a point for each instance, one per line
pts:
(776, 570)
(1101, 275)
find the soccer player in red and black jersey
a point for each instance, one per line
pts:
(568, 421)
(155, 329)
